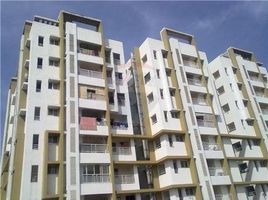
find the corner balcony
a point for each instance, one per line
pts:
(213, 150)
(90, 56)
(91, 77)
(126, 182)
(218, 176)
(93, 126)
(200, 105)
(95, 184)
(94, 153)
(93, 101)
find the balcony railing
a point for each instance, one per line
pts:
(260, 94)
(190, 63)
(203, 123)
(95, 178)
(199, 101)
(265, 111)
(121, 150)
(214, 171)
(88, 52)
(93, 148)
(192, 81)
(211, 146)
(90, 123)
(109, 80)
(95, 96)
(255, 78)
(124, 179)
(90, 73)
(119, 125)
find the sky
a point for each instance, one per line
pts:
(215, 25)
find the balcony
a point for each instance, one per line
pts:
(212, 150)
(122, 150)
(124, 179)
(203, 123)
(98, 184)
(93, 126)
(206, 127)
(89, 36)
(219, 176)
(89, 55)
(91, 77)
(193, 81)
(93, 101)
(94, 153)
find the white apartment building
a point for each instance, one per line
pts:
(167, 125)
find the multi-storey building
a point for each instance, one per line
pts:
(82, 124)
(241, 84)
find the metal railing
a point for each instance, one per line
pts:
(95, 96)
(109, 80)
(88, 51)
(90, 73)
(124, 179)
(199, 101)
(120, 125)
(121, 150)
(204, 123)
(214, 171)
(192, 81)
(211, 146)
(94, 148)
(255, 78)
(190, 63)
(264, 111)
(95, 178)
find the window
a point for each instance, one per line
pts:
(53, 139)
(161, 169)
(243, 167)
(226, 108)
(175, 166)
(37, 113)
(166, 195)
(263, 163)
(40, 41)
(179, 138)
(158, 143)
(150, 97)
(52, 169)
(147, 77)
(231, 127)
(35, 141)
(174, 114)
(250, 191)
(226, 71)
(154, 119)
(184, 164)
(189, 191)
(172, 93)
(154, 52)
(165, 115)
(157, 73)
(39, 63)
(237, 146)
(249, 144)
(161, 94)
(38, 86)
(54, 62)
(116, 58)
(170, 140)
(53, 85)
(216, 74)
(53, 111)
(250, 122)
(34, 173)
(220, 90)
(236, 103)
(54, 41)
(89, 171)
(144, 58)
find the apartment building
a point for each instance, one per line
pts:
(241, 84)
(82, 124)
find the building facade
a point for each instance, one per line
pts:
(82, 124)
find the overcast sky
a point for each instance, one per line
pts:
(215, 25)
